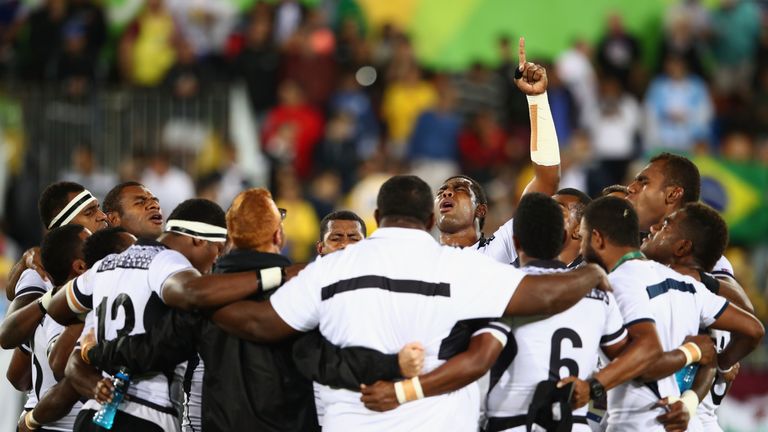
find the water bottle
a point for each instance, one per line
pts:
(685, 377)
(106, 415)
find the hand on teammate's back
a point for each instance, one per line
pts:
(33, 260)
(580, 394)
(731, 374)
(603, 284)
(676, 418)
(380, 396)
(411, 359)
(707, 347)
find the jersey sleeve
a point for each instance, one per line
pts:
(723, 267)
(499, 330)
(79, 292)
(500, 246)
(614, 330)
(633, 302)
(711, 306)
(164, 265)
(30, 282)
(298, 301)
(481, 286)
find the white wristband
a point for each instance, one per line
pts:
(691, 351)
(545, 149)
(417, 388)
(724, 371)
(400, 393)
(270, 278)
(45, 300)
(691, 401)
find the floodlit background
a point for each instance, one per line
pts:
(322, 100)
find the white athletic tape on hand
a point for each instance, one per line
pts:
(545, 149)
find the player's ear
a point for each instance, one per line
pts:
(515, 242)
(79, 267)
(319, 247)
(598, 242)
(682, 247)
(674, 194)
(377, 217)
(481, 210)
(113, 218)
(431, 221)
(196, 242)
(576, 230)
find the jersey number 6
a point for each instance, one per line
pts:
(555, 362)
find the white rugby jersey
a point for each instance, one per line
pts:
(42, 376)
(679, 305)
(125, 292)
(193, 396)
(499, 246)
(566, 344)
(30, 282)
(395, 287)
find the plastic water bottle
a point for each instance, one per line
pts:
(106, 415)
(685, 377)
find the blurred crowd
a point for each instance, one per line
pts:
(338, 105)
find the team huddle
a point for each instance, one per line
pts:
(619, 313)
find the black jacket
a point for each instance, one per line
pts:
(248, 386)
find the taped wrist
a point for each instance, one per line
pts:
(691, 351)
(545, 149)
(270, 278)
(408, 390)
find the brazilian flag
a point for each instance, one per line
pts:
(739, 191)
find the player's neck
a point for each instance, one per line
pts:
(687, 267)
(570, 252)
(613, 255)
(463, 238)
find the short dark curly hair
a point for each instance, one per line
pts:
(538, 226)
(707, 231)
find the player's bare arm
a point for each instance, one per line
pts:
(253, 321)
(24, 315)
(531, 79)
(459, 371)
(553, 293)
(672, 361)
(19, 372)
(746, 334)
(62, 348)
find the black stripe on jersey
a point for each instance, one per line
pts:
(723, 273)
(667, 285)
(508, 354)
(457, 340)
(402, 286)
(612, 336)
(25, 349)
(498, 327)
(710, 282)
(638, 321)
(720, 312)
(84, 300)
(38, 375)
(31, 290)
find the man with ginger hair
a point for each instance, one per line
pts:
(245, 385)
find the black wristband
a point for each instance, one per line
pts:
(596, 389)
(518, 73)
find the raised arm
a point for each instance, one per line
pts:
(531, 79)
(553, 293)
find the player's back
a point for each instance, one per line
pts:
(124, 290)
(396, 287)
(679, 305)
(565, 344)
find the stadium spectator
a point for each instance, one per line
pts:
(678, 108)
(734, 51)
(170, 184)
(148, 46)
(483, 146)
(406, 97)
(85, 170)
(618, 52)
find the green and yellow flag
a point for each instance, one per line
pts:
(739, 191)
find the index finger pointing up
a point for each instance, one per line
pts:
(521, 52)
